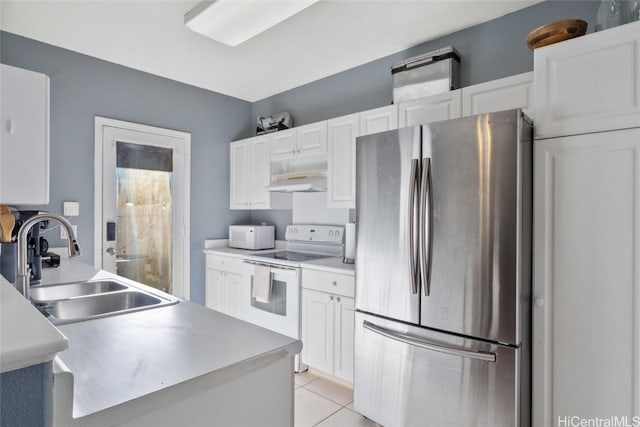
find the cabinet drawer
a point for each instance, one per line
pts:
(334, 283)
(225, 263)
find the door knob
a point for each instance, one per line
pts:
(110, 251)
(539, 302)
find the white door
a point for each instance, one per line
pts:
(239, 175)
(443, 106)
(344, 331)
(143, 204)
(379, 120)
(312, 139)
(342, 134)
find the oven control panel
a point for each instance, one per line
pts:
(327, 234)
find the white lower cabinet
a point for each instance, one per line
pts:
(586, 293)
(328, 323)
(224, 284)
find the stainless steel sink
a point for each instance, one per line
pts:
(76, 289)
(79, 301)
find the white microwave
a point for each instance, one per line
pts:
(252, 236)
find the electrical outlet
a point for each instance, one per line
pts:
(63, 233)
(71, 208)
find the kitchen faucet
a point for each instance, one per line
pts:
(23, 280)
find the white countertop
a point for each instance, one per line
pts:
(331, 264)
(132, 356)
(26, 337)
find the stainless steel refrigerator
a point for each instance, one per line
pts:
(443, 273)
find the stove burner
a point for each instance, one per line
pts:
(292, 256)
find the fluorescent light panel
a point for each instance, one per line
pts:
(235, 21)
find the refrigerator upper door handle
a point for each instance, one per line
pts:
(426, 225)
(411, 218)
(410, 340)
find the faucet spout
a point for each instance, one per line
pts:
(23, 281)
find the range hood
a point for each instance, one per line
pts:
(305, 185)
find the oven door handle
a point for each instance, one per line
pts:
(273, 266)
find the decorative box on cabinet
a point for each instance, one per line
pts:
(328, 308)
(588, 84)
(434, 108)
(341, 176)
(250, 173)
(307, 140)
(498, 95)
(24, 136)
(586, 294)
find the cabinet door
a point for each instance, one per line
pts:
(589, 83)
(586, 322)
(312, 139)
(379, 120)
(317, 330)
(24, 136)
(344, 329)
(341, 180)
(233, 297)
(238, 182)
(434, 108)
(283, 144)
(214, 293)
(259, 172)
(499, 95)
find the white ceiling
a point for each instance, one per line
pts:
(326, 38)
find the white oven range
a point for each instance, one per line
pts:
(282, 311)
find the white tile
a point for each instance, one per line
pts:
(346, 418)
(333, 391)
(350, 405)
(311, 408)
(305, 377)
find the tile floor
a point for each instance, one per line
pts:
(323, 403)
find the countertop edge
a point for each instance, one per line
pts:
(26, 337)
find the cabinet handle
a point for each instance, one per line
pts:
(338, 299)
(334, 283)
(331, 297)
(10, 127)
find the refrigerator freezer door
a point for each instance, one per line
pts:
(410, 376)
(477, 244)
(387, 173)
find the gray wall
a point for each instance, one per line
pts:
(83, 87)
(26, 397)
(488, 51)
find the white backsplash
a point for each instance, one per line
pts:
(311, 208)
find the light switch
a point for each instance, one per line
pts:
(63, 232)
(71, 208)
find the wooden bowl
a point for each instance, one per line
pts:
(555, 32)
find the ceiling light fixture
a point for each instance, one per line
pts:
(235, 21)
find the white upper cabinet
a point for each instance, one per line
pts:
(307, 140)
(341, 177)
(434, 108)
(586, 294)
(24, 136)
(499, 95)
(588, 84)
(250, 174)
(239, 175)
(379, 120)
(283, 144)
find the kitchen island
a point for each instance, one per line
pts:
(180, 364)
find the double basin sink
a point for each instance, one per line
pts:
(79, 301)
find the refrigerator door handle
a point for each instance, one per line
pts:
(410, 340)
(426, 225)
(411, 219)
